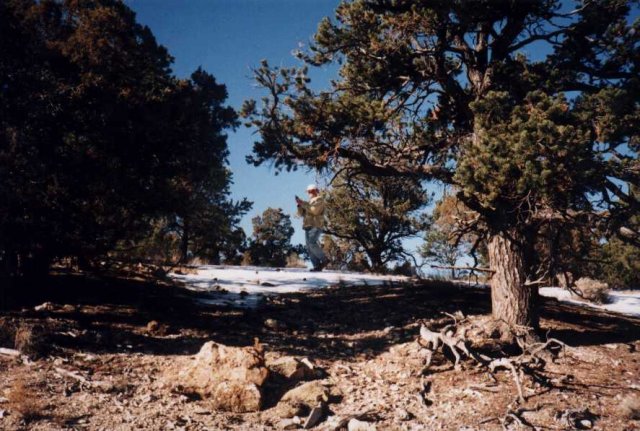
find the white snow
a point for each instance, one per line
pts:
(620, 301)
(246, 286)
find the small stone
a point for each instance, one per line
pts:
(585, 424)
(357, 425)
(289, 424)
(403, 415)
(45, 306)
(273, 324)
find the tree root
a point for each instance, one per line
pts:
(529, 362)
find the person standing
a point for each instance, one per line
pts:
(312, 213)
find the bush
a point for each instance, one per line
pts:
(592, 290)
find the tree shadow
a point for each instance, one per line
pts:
(112, 315)
(583, 326)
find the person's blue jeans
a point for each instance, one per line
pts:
(312, 237)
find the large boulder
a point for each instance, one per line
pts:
(230, 378)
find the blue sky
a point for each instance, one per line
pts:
(228, 38)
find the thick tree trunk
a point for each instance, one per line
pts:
(511, 300)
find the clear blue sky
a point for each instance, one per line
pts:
(228, 38)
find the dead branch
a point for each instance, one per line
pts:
(507, 363)
(470, 268)
(528, 362)
(83, 380)
(516, 416)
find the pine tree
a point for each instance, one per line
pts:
(375, 215)
(442, 91)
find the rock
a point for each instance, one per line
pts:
(403, 415)
(630, 407)
(357, 425)
(585, 424)
(292, 369)
(315, 416)
(273, 324)
(230, 378)
(154, 327)
(45, 306)
(289, 424)
(237, 397)
(302, 399)
(68, 308)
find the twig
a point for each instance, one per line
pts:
(507, 363)
(82, 379)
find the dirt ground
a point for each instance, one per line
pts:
(103, 351)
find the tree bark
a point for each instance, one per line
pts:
(511, 300)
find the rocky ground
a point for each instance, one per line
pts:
(114, 354)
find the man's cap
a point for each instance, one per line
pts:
(312, 187)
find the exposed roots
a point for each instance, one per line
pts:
(529, 362)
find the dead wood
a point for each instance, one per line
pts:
(83, 380)
(529, 362)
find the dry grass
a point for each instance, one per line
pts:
(24, 401)
(593, 290)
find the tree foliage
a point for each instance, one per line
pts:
(375, 215)
(98, 141)
(270, 244)
(442, 91)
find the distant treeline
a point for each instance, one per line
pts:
(103, 151)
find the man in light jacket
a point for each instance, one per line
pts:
(312, 213)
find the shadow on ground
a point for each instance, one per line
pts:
(114, 315)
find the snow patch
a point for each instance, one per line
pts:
(620, 301)
(246, 286)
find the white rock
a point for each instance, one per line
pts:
(357, 425)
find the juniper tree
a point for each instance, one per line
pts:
(271, 241)
(98, 140)
(444, 90)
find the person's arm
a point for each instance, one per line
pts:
(315, 208)
(302, 206)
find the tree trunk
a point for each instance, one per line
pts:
(184, 243)
(511, 300)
